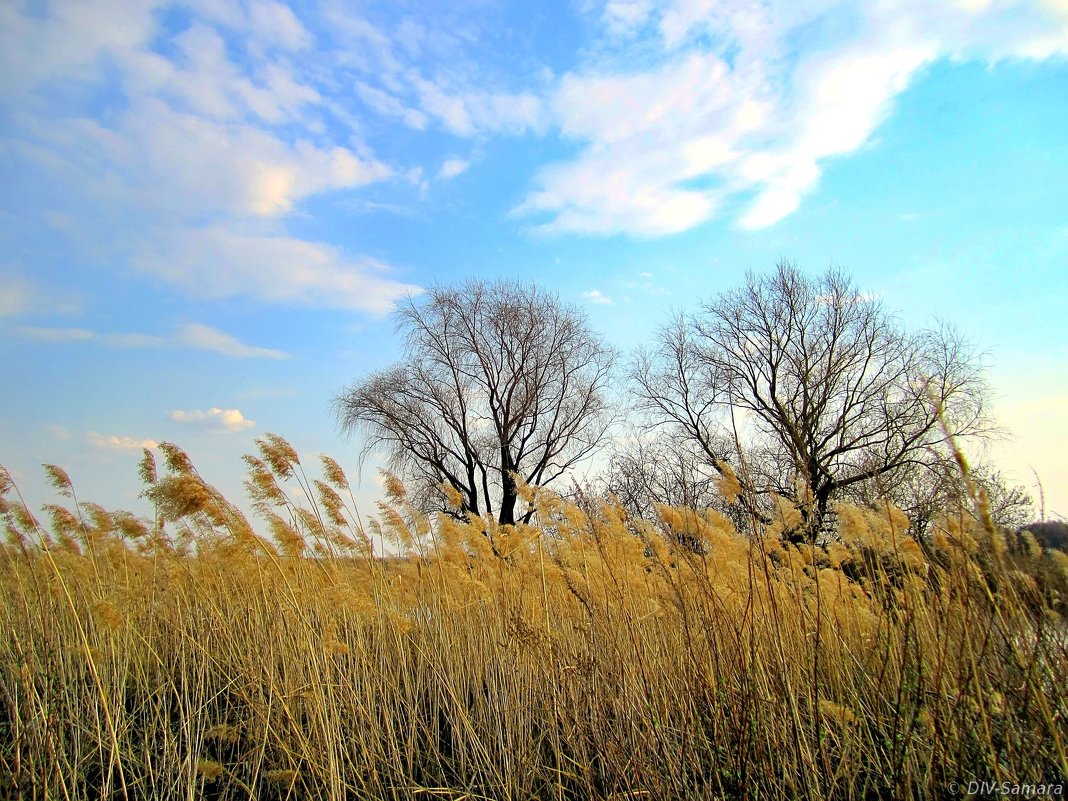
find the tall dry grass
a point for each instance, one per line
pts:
(590, 657)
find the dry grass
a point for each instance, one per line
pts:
(587, 658)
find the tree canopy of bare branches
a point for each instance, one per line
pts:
(824, 387)
(499, 380)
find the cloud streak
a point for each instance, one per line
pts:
(193, 336)
(219, 262)
(20, 297)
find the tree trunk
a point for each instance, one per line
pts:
(823, 498)
(509, 492)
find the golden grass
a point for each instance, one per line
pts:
(590, 657)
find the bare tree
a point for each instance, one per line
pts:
(939, 488)
(645, 472)
(499, 380)
(818, 379)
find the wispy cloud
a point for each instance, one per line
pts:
(742, 99)
(44, 334)
(388, 105)
(451, 168)
(14, 298)
(466, 112)
(646, 283)
(214, 418)
(220, 262)
(20, 297)
(59, 432)
(191, 335)
(111, 442)
(202, 337)
(426, 75)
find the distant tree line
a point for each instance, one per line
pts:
(1050, 533)
(789, 386)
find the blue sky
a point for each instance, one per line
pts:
(208, 208)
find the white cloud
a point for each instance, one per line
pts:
(596, 296)
(218, 130)
(202, 79)
(202, 337)
(450, 168)
(424, 74)
(68, 40)
(275, 23)
(218, 262)
(364, 45)
(737, 98)
(191, 335)
(173, 162)
(466, 112)
(117, 443)
(623, 17)
(214, 418)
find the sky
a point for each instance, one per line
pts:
(209, 208)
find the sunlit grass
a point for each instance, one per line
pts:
(590, 656)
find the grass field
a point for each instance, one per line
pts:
(588, 657)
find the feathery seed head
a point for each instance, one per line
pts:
(838, 554)
(146, 468)
(841, 715)
(98, 515)
(177, 460)
(279, 454)
(180, 495)
(394, 487)
(60, 481)
(223, 732)
(1030, 545)
(62, 520)
(285, 535)
(130, 526)
(912, 554)
(209, 769)
(108, 615)
(853, 525)
(453, 498)
(333, 473)
(281, 776)
(261, 484)
(331, 502)
(331, 644)
(727, 484)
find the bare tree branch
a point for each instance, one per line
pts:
(499, 380)
(833, 393)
